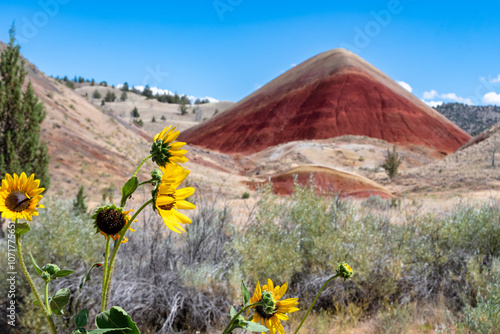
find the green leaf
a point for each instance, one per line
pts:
(59, 300)
(245, 293)
(232, 312)
(128, 189)
(62, 273)
(109, 330)
(254, 327)
(87, 275)
(118, 319)
(22, 228)
(37, 268)
(82, 318)
(80, 331)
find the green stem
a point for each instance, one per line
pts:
(115, 250)
(105, 275)
(145, 182)
(314, 302)
(230, 326)
(47, 315)
(140, 165)
(47, 304)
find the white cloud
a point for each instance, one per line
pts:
(193, 98)
(451, 97)
(455, 98)
(405, 86)
(430, 95)
(491, 98)
(495, 80)
(159, 91)
(433, 103)
(293, 65)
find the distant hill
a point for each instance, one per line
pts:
(333, 94)
(472, 119)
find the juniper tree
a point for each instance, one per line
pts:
(124, 96)
(135, 113)
(20, 117)
(392, 162)
(79, 205)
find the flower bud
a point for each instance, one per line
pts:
(344, 270)
(269, 302)
(160, 152)
(51, 269)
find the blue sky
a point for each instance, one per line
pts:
(445, 51)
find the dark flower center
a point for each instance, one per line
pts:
(260, 311)
(110, 221)
(17, 201)
(168, 206)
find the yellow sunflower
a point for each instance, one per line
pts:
(274, 310)
(164, 150)
(169, 198)
(19, 197)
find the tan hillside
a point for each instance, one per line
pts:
(469, 168)
(86, 145)
(151, 107)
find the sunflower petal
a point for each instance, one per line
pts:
(184, 192)
(270, 285)
(182, 217)
(184, 205)
(281, 291)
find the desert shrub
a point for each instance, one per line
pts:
(299, 239)
(245, 195)
(138, 122)
(187, 279)
(376, 202)
(187, 282)
(169, 282)
(484, 317)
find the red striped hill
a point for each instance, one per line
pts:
(333, 94)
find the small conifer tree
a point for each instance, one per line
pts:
(110, 96)
(135, 113)
(183, 108)
(392, 162)
(96, 94)
(123, 96)
(79, 205)
(20, 117)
